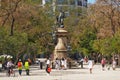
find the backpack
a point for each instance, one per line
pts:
(49, 69)
(19, 64)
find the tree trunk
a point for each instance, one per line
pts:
(12, 26)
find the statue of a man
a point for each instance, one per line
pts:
(60, 20)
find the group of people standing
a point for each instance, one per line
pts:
(60, 64)
(9, 66)
(112, 63)
(26, 66)
(57, 63)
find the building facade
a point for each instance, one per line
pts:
(67, 5)
(67, 2)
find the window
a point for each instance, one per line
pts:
(79, 3)
(82, 3)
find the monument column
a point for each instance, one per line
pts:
(60, 49)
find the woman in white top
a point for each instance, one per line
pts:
(65, 63)
(90, 65)
(57, 63)
(62, 63)
(113, 64)
(48, 62)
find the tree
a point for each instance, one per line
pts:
(105, 14)
(8, 13)
(30, 19)
(105, 17)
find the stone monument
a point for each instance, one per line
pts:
(61, 47)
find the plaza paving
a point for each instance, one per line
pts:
(70, 74)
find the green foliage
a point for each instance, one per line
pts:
(33, 25)
(107, 46)
(13, 44)
(86, 42)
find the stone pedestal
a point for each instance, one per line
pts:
(60, 49)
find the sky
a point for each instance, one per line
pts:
(91, 1)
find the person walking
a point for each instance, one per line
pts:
(48, 62)
(65, 63)
(81, 62)
(57, 64)
(48, 70)
(62, 64)
(19, 65)
(90, 65)
(114, 64)
(10, 66)
(27, 67)
(103, 64)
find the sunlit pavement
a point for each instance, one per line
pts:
(70, 74)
